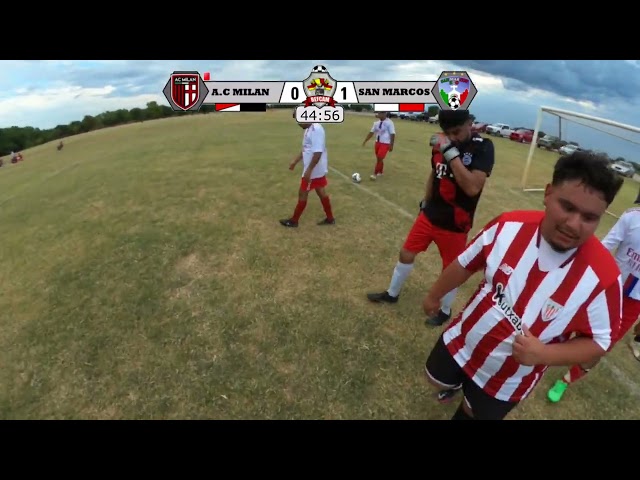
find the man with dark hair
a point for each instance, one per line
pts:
(461, 161)
(624, 238)
(385, 133)
(314, 174)
(546, 277)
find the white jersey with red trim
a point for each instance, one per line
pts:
(383, 129)
(526, 282)
(624, 237)
(314, 141)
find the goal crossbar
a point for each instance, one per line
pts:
(558, 112)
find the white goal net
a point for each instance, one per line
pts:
(558, 131)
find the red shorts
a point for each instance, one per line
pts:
(381, 150)
(630, 313)
(450, 244)
(319, 182)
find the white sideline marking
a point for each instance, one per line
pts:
(398, 208)
(51, 175)
(622, 377)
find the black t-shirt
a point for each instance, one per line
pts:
(450, 208)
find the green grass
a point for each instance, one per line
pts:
(144, 274)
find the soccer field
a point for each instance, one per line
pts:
(144, 274)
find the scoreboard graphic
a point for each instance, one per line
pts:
(319, 92)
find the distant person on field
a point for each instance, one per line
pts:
(624, 237)
(545, 277)
(385, 132)
(315, 167)
(461, 161)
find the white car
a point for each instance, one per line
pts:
(497, 128)
(568, 149)
(623, 168)
(506, 132)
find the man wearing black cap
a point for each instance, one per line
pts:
(461, 161)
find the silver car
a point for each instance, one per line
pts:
(623, 168)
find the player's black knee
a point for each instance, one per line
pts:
(461, 414)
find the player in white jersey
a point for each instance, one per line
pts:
(624, 237)
(314, 173)
(385, 132)
(545, 277)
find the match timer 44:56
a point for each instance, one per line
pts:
(326, 114)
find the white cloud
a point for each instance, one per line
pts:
(54, 106)
(486, 83)
(584, 104)
(240, 70)
(48, 93)
(417, 70)
(429, 70)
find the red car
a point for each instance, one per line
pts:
(479, 127)
(523, 135)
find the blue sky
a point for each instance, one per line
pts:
(50, 92)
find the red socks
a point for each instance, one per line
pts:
(302, 204)
(326, 204)
(298, 211)
(575, 373)
(379, 167)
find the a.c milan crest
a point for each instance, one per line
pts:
(185, 90)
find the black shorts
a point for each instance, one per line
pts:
(442, 368)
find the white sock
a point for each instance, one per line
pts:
(400, 274)
(447, 301)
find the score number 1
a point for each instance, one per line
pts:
(293, 92)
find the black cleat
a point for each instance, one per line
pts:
(446, 396)
(288, 223)
(438, 319)
(326, 221)
(382, 297)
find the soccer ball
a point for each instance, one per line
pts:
(454, 102)
(319, 69)
(356, 177)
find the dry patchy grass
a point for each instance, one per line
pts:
(144, 275)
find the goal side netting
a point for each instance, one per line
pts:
(565, 127)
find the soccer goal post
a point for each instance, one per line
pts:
(589, 121)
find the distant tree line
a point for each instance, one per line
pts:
(16, 139)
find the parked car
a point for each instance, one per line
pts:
(506, 132)
(497, 128)
(623, 168)
(418, 117)
(479, 127)
(433, 119)
(522, 135)
(550, 142)
(569, 148)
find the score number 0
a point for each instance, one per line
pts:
(293, 92)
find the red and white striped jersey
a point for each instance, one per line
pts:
(526, 282)
(624, 237)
